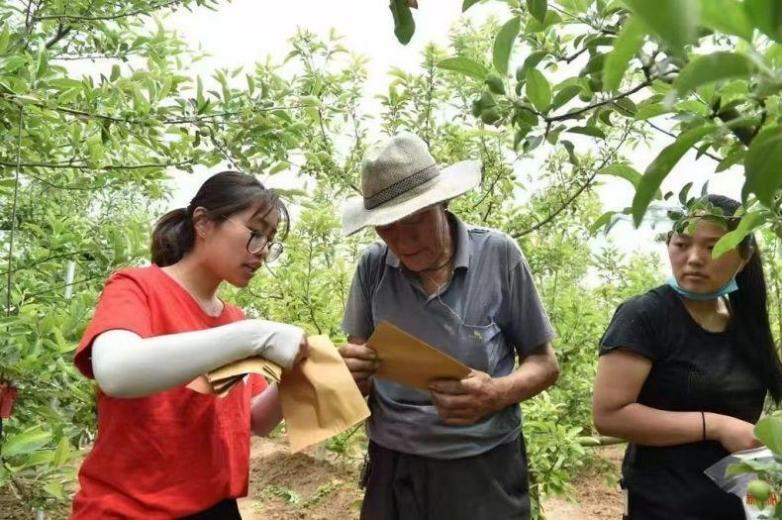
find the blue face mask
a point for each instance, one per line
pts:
(726, 289)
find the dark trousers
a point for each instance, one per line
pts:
(491, 486)
(225, 510)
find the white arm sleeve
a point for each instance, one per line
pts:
(127, 365)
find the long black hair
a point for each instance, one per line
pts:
(749, 306)
(222, 195)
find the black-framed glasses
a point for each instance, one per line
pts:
(258, 242)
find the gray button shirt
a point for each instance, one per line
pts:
(487, 314)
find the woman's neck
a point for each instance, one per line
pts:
(194, 277)
(712, 315)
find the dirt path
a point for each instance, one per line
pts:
(318, 485)
(596, 492)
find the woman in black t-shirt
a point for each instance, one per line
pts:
(683, 373)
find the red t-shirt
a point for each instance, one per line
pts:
(170, 454)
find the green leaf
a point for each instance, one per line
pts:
(601, 222)
(538, 90)
(727, 16)
(538, 8)
(749, 222)
(571, 151)
(662, 166)
(404, 25)
(564, 95)
(465, 66)
(530, 62)
(627, 45)
(769, 431)
(713, 67)
(623, 171)
(592, 131)
(25, 442)
(63, 452)
(5, 36)
(199, 92)
(762, 165)
(468, 3)
(732, 158)
(503, 44)
(766, 15)
(674, 21)
(650, 110)
(533, 25)
(575, 6)
(115, 72)
(55, 489)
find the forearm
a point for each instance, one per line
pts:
(534, 374)
(266, 411)
(126, 365)
(654, 427)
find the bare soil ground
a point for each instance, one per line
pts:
(319, 485)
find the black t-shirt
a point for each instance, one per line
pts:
(692, 370)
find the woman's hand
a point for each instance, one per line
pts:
(734, 434)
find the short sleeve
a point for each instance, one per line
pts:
(522, 317)
(257, 384)
(357, 320)
(122, 305)
(633, 328)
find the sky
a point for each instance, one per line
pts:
(244, 32)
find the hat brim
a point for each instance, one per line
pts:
(452, 181)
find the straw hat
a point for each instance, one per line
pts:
(400, 177)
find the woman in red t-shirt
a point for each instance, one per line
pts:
(162, 449)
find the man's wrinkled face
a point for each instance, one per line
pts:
(418, 240)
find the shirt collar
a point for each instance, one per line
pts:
(462, 256)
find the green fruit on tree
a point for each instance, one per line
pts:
(760, 491)
(487, 100)
(495, 84)
(490, 115)
(477, 108)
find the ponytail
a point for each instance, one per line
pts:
(172, 237)
(749, 306)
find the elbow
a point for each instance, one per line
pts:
(553, 371)
(602, 425)
(111, 382)
(606, 423)
(113, 387)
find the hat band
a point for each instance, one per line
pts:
(403, 186)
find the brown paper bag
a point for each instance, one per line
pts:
(319, 397)
(407, 360)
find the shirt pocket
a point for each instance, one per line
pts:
(481, 346)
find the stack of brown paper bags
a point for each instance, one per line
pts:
(319, 397)
(407, 360)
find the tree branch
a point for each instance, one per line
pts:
(551, 216)
(124, 14)
(116, 119)
(572, 114)
(13, 211)
(107, 167)
(671, 134)
(62, 32)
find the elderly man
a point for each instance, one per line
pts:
(457, 451)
